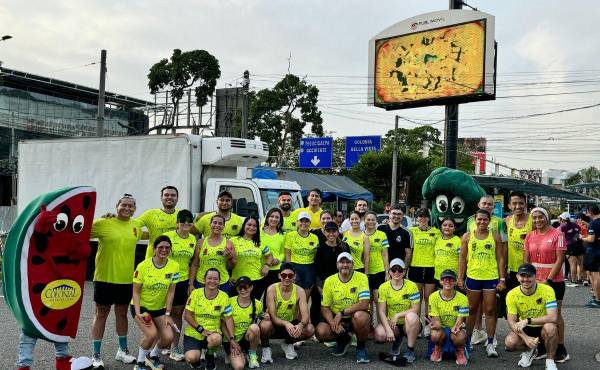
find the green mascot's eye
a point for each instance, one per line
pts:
(441, 202)
(458, 205)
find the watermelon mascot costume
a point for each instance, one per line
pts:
(44, 268)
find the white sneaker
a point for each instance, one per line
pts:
(478, 337)
(491, 350)
(299, 343)
(527, 357)
(266, 356)
(550, 365)
(427, 330)
(97, 362)
(290, 352)
(124, 356)
(175, 354)
(165, 352)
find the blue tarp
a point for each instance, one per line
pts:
(333, 187)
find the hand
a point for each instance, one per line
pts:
(235, 347)
(291, 329)
(387, 277)
(460, 283)
(389, 335)
(531, 342)
(145, 318)
(519, 326)
(275, 262)
(45, 220)
(265, 270)
(299, 327)
(501, 286)
(455, 329)
(228, 251)
(266, 317)
(168, 321)
(338, 328)
(394, 321)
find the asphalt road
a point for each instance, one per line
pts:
(582, 342)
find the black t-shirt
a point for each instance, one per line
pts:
(326, 259)
(594, 229)
(398, 239)
(319, 233)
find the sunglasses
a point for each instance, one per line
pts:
(448, 279)
(397, 269)
(287, 276)
(243, 287)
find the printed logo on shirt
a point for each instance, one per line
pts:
(311, 243)
(539, 301)
(488, 246)
(456, 308)
(134, 232)
(377, 240)
(234, 227)
(279, 304)
(448, 245)
(355, 242)
(474, 246)
(168, 276)
(431, 234)
(192, 245)
(398, 238)
(353, 290)
(405, 296)
(219, 253)
(290, 305)
(217, 308)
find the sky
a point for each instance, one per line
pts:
(548, 48)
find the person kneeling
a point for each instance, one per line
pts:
(345, 308)
(448, 310)
(288, 313)
(532, 313)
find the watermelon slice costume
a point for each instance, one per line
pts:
(44, 262)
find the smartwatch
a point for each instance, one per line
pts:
(529, 321)
(200, 329)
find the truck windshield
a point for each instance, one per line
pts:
(269, 198)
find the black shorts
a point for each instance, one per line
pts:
(421, 275)
(107, 294)
(193, 344)
(153, 313)
(533, 331)
(244, 344)
(559, 289)
(375, 280)
(280, 332)
(591, 262)
(575, 249)
(181, 293)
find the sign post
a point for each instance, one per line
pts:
(359, 145)
(316, 152)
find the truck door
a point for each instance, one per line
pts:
(246, 196)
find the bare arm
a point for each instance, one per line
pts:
(499, 256)
(271, 309)
(137, 291)
(302, 306)
(366, 253)
(560, 260)
(462, 258)
(195, 264)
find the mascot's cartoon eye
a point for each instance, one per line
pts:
(78, 223)
(61, 222)
(458, 205)
(441, 202)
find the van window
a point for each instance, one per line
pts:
(244, 204)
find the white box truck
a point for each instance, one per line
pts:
(200, 168)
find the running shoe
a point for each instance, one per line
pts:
(154, 363)
(266, 355)
(490, 348)
(97, 363)
(478, 337)
(593, 304)
(288, 349)
(341, 346)
(597, 357)
(395, 351)
(550, 365)
(527, 357)
(165, 352)
(436, 354)
(252, 361)
(329, 344)
(210, 362)
(354, 340)
(141, 366)
(571, 284)
(541, 352)
(362, 356)
(299, 343)
(410, 356)
(562, 355)
(176, 354)
(461, 358)
(124, 356)
(426, 330)
(586, 283)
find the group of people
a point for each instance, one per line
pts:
(300, 274)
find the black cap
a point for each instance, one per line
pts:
(448, 274)
(225, 193)
(287, 266)
(331, 226)
(526, 269)
(243, 280)
(185, 216)
(422, 212)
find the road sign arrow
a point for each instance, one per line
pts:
(315, 161)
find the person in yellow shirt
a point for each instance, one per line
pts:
(160, 220)
(518, 225)
(205, 312)
(481, 259)
(113, 276)
(447, 249)
(300, 250)
(273, 236)
(153, 291)
(233, 222)
(314, 208)
(378, 256)
(358, 243)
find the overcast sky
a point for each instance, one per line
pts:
(545, 47)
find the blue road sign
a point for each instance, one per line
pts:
(316, 152)
(359, 145)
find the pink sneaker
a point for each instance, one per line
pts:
(461, 359)
(436, 355)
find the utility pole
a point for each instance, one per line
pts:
(245, 87)
(100, 123)
(451, 120)
(13, 162)
(395, 164)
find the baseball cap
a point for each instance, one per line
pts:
(302, 215)
(526, 269)
(331, 226)
(565, 216)
(422, 212)
(345, 255)
(448, 274)
(225, 193)
(81, 363)
(185, 216)
(243, 280)
(286, 266)
(397, 262)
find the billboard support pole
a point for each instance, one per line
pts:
(451, 119)
(395, 164)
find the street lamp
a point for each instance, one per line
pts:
(6, 37)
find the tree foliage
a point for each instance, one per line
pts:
(279, 116)
(184, 70)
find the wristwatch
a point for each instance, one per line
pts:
(168, 313)
(200, 329)
(342, 312)
(529, 321)
(549, 281)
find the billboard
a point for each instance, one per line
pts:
(229, 111)
(476, 147)
(433, 59)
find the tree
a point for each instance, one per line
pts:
(186, 69)
(279, 116)
(586, 175)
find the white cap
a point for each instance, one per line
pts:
(302, 215)
(397, 262)
(346, 255)
(81, 363)
(565, 216)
